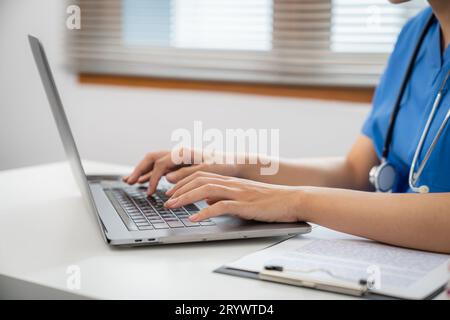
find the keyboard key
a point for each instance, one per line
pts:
(175, 224)
(171, 219)
(149, 227)
(207, 223)
(179, 210)
(142, 224)
(163, 197)
(162, 225)
(191, 207)
(158, 222)
(155, 220)
(188, 223)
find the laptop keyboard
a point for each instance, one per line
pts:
(142, 212)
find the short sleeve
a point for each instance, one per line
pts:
(376, 123)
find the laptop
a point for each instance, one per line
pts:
(126, 215)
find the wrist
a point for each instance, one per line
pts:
(303, 207)
(249, 166)
(242, 166)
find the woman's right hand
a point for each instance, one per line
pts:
(160, 163)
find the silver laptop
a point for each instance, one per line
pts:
(126, 215)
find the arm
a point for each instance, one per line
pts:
(420, 221)
(347, 172)
(350, 172)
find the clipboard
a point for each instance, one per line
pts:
(266, 265)
(256, 276)
(367, 295)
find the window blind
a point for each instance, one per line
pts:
(312, 42)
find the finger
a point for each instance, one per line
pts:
(217, 209)
(145, 177)
(198, 182)
(160, 167)
(195, 175)
(211, 201)
(201, 193)
(176, 176)
(144, 166)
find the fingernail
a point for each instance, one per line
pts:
(194, 218)
(170, 175)
(168, 192)
(171, 202)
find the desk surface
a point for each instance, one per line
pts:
(45, 228)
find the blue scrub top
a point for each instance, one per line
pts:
(431, 66)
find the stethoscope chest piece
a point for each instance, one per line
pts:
(383, 177)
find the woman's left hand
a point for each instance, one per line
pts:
(244, 198)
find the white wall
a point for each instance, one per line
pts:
(118, 124)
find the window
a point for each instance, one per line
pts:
(316, 42)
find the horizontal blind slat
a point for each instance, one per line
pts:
(337, 42)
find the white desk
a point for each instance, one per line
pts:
(44, 228)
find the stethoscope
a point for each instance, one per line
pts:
(384, 176)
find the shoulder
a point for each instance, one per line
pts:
(398, 60)
(392, 78)
(414, 25)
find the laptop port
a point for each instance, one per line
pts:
(138, 240)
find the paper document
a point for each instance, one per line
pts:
(326, 255)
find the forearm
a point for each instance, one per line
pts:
(320, 172)
(349, 172)
(420, 221)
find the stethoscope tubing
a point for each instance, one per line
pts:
(413, 176)
(407, 76)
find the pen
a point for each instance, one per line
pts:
(278, 273)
